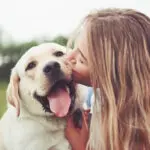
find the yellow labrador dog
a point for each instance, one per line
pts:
(42, 90)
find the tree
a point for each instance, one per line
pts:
(10, 55)
(61, 40)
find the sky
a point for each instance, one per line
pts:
(25, 20)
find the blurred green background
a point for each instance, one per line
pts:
(9, 55)
(3, 85)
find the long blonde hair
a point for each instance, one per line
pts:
(118, 43)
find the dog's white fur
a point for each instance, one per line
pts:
(33, 129)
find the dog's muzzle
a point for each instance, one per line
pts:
(61, 96)
(52, 71)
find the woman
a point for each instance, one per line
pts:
(112, 54)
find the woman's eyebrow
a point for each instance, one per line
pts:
(82, 54)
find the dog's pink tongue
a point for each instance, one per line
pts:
(59, 102)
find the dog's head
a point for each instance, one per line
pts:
(41, 82)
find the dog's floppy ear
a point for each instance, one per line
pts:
(13, 91)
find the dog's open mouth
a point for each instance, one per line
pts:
(60, 98)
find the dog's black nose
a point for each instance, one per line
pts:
(51, 66)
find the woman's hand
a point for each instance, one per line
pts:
(77, 137)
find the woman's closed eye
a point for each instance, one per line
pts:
(82, 58)
(82, 61)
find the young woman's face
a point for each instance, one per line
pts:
(79, 59)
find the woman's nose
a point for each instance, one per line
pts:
(70, 55)
(70, 58)
(70, 62)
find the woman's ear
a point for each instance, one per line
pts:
(13, 91)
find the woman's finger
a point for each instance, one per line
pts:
(86, 113)
(85, 124)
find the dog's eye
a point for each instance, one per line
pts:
(58, 54)
(30, 66)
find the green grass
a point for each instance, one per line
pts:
(3, 86)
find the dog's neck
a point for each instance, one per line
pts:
(46, 120)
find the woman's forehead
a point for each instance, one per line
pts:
(80, 40)
(81, 46)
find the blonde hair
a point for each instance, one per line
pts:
(118, 43)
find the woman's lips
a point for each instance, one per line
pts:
(76, 74)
